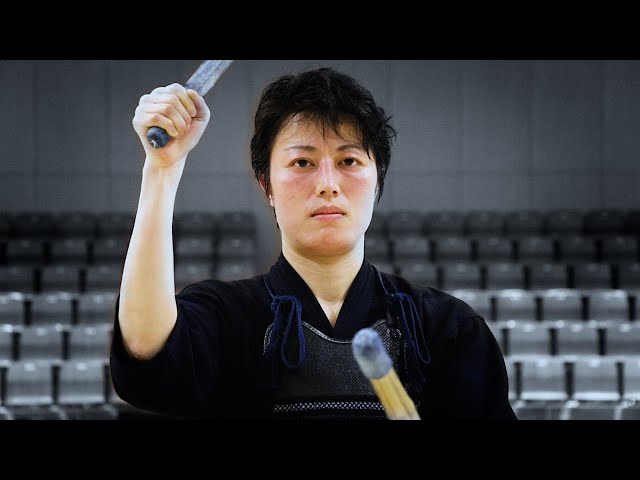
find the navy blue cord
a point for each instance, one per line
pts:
(411, 329)
(279, 325)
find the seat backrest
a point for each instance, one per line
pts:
(623, 339)
(52, 308)
(527, 339)
(544, 276)
(410, 247)
(96, 308)
(561, 304)
(592, 275)
(608, 305)
(595, 379)
(404, 222)
(12, 311)
(89, 342)
(516, 304)
(504, 275)
(452, 249)
(479, 300)
(29, 383)
(543, 378)
(81, 383)
(41, 343)
(576, 338)
(631, 383)
(535, 249)
(494, 249)
(461, 276)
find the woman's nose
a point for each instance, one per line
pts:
(327, 181)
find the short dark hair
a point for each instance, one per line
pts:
(326, 95)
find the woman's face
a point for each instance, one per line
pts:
(313, 169)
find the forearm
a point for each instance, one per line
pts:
(147, 308)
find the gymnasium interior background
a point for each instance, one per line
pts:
(513, 149)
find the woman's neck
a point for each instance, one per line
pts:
(329, 278)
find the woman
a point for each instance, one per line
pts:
(276, 345)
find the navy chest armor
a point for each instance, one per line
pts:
(317, 377)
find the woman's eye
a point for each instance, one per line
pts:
(301, 162)
(350, 161)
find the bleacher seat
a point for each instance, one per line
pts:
(603, 222)
(237, 246)
(543, 379)
(445, 224)
(81, 383)
(12, 308)
(516, 304)
(524, 223)
(103, 278)
(608, 305)
(484, 223)
(461, 276)
(409, 248)
(187, 273)
(25, 251)
(629, 412)
(34, 225)
(5, 225)
(75, 224)
(199, 224)
(545, 276)
(115, 224)
(419, 272)
(89, 342)
(632, 223)
(52, 308)
(497, 329)
(60, 277)
(378, 225)
(559, 223)
(511, 378)
(194, 249)
(623, 339)
(110, 250)
(494, 249)
(561, 304)
(73, 251)
(595, 379)
(591, 411)
(577, 249)
(539, 410)
(527, 339)
(41, 343)
(17, 278)
(479, 300)
(629, 275)
(229, 270)
(576, 338)
(6, 344)
(232, 223)
(504, 276)
(619, 249)
(631, 383)
(29, 383)
(452, 249)
(96, 308)
(405, 222)
(592, 276)
(376, 247)
(534, 249)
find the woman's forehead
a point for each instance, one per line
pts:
(312, 131)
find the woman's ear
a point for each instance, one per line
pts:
(263, 185)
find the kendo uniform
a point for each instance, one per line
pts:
(263, 348)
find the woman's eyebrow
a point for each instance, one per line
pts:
(341, 148)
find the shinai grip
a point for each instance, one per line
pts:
(157, 137)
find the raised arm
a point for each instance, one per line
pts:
(147, 307)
